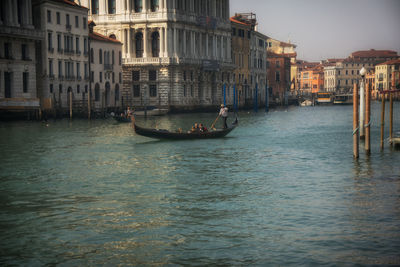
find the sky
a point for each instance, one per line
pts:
(324, 29)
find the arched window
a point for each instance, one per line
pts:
(154, 5)
(101, 56)
(112, 36)
(139, 44)
(116, 93)
(97, 92)
(155, 44)
(138, 6)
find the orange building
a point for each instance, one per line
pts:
(317, 80)
(306, 81)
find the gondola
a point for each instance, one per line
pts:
(166, 134)
(122, 119)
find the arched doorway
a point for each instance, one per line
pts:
(107, 94)
(97, 92)
(155, 44)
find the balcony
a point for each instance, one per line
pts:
(51, 76)
(51, 49)
(78, 52)
(68, 27)
(108, 67)
(69, 52)
(60, 50)
(60, 77)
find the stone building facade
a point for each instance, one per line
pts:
(176, 54)
(64, 53)
(18, 65)
(106, 71)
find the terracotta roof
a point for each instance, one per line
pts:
(391, 62)
(67, 2)
(103, 38)
(284, 44)
(374, 53)
(239, 22)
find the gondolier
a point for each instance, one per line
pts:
(223, 112)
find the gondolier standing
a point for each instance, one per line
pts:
(223, 112)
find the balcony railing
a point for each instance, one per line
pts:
(68, 27)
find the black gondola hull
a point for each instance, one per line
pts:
(165, 134)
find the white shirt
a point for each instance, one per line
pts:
(223, 112)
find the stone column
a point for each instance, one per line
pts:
(162, 42)
(133, 43)
(167, 36)
(145, 42)
(175, 41)
(122, 39)
(207, 55)
(102, 7)
(128, 42)
(161, 5)
(144, 5)
(184, 43)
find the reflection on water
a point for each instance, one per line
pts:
(282, 189)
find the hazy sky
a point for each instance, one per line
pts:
(327, 28)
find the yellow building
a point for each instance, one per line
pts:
(241, 37)
(386, 74)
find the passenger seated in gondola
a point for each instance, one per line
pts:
(195, 128)
(202, 128)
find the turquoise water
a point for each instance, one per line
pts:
(281, 189)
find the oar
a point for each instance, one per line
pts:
(212, 126)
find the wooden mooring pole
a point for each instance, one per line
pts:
(70, 104)
(368, 118)
(382, 120)
(355, 122)
(391, 117)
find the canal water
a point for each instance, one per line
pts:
(282, 189)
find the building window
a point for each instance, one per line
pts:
(51, 73)
(97, 92)
(116, 93)
(95, 6)
(77, 49)
(152, 75)
(111, 6)
(277, 76)
(138, 6)
(101, 77)
(78, 89)
(25, 81)
(84, 22)
(60, 88)
(233, 31)
(60, 69)
(76, 22)
(58, 18)
(91, 55)
(120, 77)
(120, 57)
(59, 49)
(48, 16)
(78, 70)
(155, 44)
(51, 88)
(135, 75)
(7, 51)
(184, 90)
(153, 90)
(50, 41)
(113, 77)
(139, 44)
(136, 90)
(24, 52)
(112, 57)
(154, 5)
(100, 56)
(67, 20)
